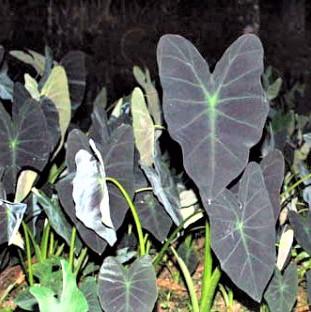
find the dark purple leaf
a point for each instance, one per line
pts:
(216, 117)
(302, 229)
(282, 290)
(273, 167)
(152, 215)
(74, 64)
(243, 232)
(127, 289)
(24, 141)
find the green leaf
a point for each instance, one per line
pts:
(129, 289)
(216, 118)
(71, 299)
(25, 300)
(31, 86)
(49, 274)
(274, 89)
(143, 78)
(143, 128)
(56, 89)
(56, 217)
(25, 182)
(243, 232)
(282, 290)
(90, 290)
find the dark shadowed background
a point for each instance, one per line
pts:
(117, 34)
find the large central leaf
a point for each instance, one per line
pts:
(243, 233)
(130, 289)
(216, 117)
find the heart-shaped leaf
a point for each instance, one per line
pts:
(143, 128)
(273, 171)
(124, 289)
(282, 290)
(71, 299)
(11, 217)
(152, 215)
(302, 229)
(243, 232)
(117, 157)
(216, 118)
(23, 141)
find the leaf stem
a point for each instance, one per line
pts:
(28, 253)
(80, 260)
(188, 280)
(142, 249)
(208, 299)
(72, 247)
(45, 240)
(143, 189)
(208, 265)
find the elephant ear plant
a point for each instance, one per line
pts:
(117, 171)
(216, 118)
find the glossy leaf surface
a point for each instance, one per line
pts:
(243, 232)
(216, 118)
(282, 290)
(130, 289)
